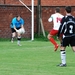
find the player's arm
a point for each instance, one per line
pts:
(50, 19)
(15, 29)
(22, 23)
(14, 26)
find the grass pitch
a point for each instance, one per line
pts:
(34, 58)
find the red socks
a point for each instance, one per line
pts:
(52, 41)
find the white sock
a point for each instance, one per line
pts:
(12, 38)
(19, 39)
(63, 56)
(18, 42)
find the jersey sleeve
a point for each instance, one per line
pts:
(22, 21)
(50, 19)
(13, 22)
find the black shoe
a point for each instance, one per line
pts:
(62, 65)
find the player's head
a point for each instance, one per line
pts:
(57, 10)
(18, 17)
(68, 9)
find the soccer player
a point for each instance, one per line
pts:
(67, 28)
(16, 24)
(56, 18)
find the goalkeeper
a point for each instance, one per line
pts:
(16, 24)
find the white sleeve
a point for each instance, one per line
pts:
(50, 19)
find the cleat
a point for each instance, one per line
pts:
(56, 47)
(62, 65)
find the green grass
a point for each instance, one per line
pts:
(33, 58)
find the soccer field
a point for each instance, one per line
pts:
(33, 58)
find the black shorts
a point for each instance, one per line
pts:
(68, 41)
(13, 30)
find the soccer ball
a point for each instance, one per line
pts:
(21, 31)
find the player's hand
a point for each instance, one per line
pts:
(16, 30)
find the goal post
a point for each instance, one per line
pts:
(32, 21)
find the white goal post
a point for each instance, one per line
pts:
(32, 11)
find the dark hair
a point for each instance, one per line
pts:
(18, 16)
(57, 9)
(68, 9)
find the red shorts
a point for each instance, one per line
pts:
(53, 32)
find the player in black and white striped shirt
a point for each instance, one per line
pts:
(67, 28)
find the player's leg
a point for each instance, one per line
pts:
(13, 35)
(63, 57)
(51, 39)
(63, 52)
(18, 39)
